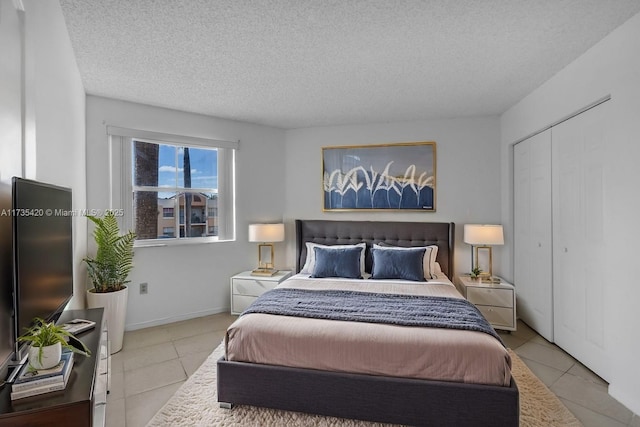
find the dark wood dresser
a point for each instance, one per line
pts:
(83, 401)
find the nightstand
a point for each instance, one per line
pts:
(496, 301)
(245, 288)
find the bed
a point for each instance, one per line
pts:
(365, 392)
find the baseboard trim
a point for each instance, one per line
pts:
(176, 318)
(624, 398)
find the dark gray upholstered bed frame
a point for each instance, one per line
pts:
(367, 397)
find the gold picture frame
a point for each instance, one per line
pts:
(383, 177)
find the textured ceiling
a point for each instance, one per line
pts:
(302, 63)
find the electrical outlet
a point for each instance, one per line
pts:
(144, 288)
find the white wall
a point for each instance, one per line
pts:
(467, 173)
(190, 280)
(610, 67)
(11, 72)
(11, 41)
(59, 120)
(46, 119)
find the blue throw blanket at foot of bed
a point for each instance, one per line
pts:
(394, 309)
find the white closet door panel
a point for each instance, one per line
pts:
(567, 223)
(595, 140)
(541, 232)
(594, 248)
(578, 249)
(532, 232)
(522, 232)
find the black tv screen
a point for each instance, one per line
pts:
(7, 335)
(42, 251)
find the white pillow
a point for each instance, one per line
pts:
(310, 262)
(438, 269)
(429, 260)
(435, 267)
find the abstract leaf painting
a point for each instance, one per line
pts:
(398, 176)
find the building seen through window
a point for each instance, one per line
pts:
(201, 224)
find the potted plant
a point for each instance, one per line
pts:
(47, 341)
(475, 273)
(108, 272)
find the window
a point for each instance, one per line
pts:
(172, 189)
(185, 178)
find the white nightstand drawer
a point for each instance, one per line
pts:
(490, 296)
(251, 287)
(496, 301)
(241, 302)
(497, 316)
(245, 288)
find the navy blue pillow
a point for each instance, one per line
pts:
(343, 262)
(405, 264)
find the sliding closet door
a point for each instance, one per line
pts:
(532, 232)
(578, 245)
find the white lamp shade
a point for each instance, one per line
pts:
(483, 234)
(266, 233)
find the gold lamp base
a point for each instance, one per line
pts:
(264, 272)
(265, 268)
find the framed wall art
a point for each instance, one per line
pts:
(399, 176)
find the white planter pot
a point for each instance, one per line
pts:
(51, 356)
(115, 312)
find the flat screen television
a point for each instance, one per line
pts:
(7, 337)
(42, 253)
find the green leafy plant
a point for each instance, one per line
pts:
(475, 272)
(43, 334)
(113, 262)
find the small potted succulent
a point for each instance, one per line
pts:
(47, 341)
(475, 273)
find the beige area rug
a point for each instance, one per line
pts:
(195, 404)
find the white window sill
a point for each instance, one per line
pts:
(155, 243)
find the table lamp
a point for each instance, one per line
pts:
(265, 234)
(483, 236)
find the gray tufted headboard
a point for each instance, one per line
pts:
(394, 233)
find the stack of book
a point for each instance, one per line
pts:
(30, 382)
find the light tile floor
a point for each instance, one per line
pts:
(154, 362)
(582, 392)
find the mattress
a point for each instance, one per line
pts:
(370, 348)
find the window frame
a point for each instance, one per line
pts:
(121, 142)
